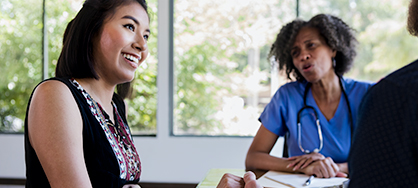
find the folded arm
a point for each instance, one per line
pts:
(258, 157)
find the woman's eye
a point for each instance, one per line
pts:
(146, 37)
(294, 53)
(130, 27)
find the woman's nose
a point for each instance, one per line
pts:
(140, 44)
(304, 56)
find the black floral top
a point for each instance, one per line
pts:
(109, 151)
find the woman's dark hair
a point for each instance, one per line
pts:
(413, 18)
(76, 59)
(337, 34)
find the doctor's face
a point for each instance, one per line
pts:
(311, 55)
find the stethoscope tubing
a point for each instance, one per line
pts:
(318, 125)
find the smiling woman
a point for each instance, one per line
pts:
(78, 109)
(122, 45)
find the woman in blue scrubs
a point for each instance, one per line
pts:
(317, 111)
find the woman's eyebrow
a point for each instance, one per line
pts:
(307, 41)
(293, 48)
(132, 18)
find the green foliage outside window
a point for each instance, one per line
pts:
(197, 91)
(20, 59)
(213, 73)
(385, 45)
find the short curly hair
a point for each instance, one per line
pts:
(337, 34)
(413, 18)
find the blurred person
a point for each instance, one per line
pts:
(317, 112)
(76, 133)
(384, 152)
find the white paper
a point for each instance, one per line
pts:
(281, 179)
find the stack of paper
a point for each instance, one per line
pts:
(282, 179)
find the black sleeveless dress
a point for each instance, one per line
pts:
(109, 152)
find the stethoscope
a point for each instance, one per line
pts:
(318, 125)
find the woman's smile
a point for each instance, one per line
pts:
(132, 59)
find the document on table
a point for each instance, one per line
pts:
(282, 179)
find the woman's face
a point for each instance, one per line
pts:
(122, 44)
(311, 56)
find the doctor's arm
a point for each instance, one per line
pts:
(258, 156)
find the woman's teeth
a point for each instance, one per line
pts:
(131, 58)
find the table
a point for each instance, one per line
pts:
(213, 177)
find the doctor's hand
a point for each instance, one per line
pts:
(302, 161)
(325, 168)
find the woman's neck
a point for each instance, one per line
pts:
(99, 90)
(327, 90)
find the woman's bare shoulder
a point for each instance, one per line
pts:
(53, 102)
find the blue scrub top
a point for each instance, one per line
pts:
(280, 117)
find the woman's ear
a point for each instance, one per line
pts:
(334, 53)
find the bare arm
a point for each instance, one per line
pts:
(55, 132)
(258, 156)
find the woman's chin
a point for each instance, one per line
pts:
(127, 78)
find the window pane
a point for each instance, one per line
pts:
(20, 54)
(222, 76)
(59, 14)
(384, 43)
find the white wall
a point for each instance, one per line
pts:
(164, 158)
(12, 156)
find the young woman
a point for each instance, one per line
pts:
(76, 133)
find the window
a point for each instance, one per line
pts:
(222, 76)
(384, 43)
(21, 66)
(21, 56)
(222, 79)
